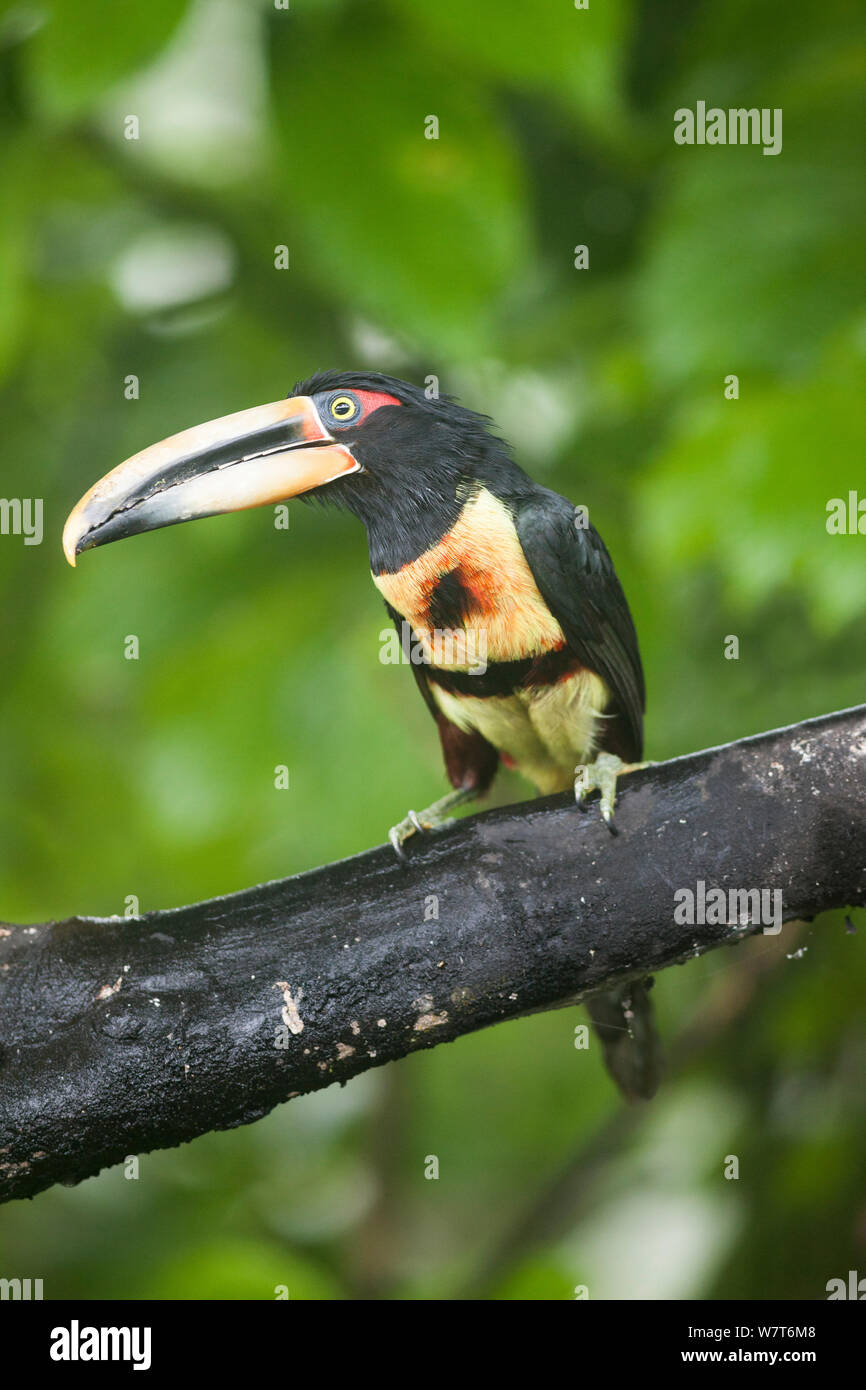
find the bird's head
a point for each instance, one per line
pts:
(366, 441)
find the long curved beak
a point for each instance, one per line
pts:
(249, 459)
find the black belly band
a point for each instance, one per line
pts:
(506, 677)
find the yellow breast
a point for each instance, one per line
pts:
(506, 610)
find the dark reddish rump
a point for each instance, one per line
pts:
(470, 761)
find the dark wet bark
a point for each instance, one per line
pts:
(121, 1036)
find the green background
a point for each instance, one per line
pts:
(154, 257)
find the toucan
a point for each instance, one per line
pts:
(520, 637)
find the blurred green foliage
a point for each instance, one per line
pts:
(154, 257)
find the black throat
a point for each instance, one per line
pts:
(402, 522)
(418, 472)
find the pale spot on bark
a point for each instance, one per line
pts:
(108, 990)
(426, 1021)
(290, 1016)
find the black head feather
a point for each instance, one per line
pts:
(421, 461)
(440, 407)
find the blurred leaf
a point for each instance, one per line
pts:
(745, 484)
(239, 1270)
(753, 258)
(538, 1280)
(14, 257)
(576, 56)
(426, 233)
(88, 46)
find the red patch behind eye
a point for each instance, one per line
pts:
(372, 400)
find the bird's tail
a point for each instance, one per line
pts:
(624, 1021)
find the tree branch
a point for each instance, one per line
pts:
(119, 1036)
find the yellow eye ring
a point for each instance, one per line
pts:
(343, 408)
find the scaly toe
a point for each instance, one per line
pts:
(601, 776)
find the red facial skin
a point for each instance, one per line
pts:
(372, 400)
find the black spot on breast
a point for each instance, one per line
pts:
(451, 603)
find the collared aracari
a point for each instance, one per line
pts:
(463, 545)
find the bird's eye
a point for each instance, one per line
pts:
(344, 408)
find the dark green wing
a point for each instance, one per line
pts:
(577, 580)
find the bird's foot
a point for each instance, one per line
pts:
(434, 818)
(601, 776)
